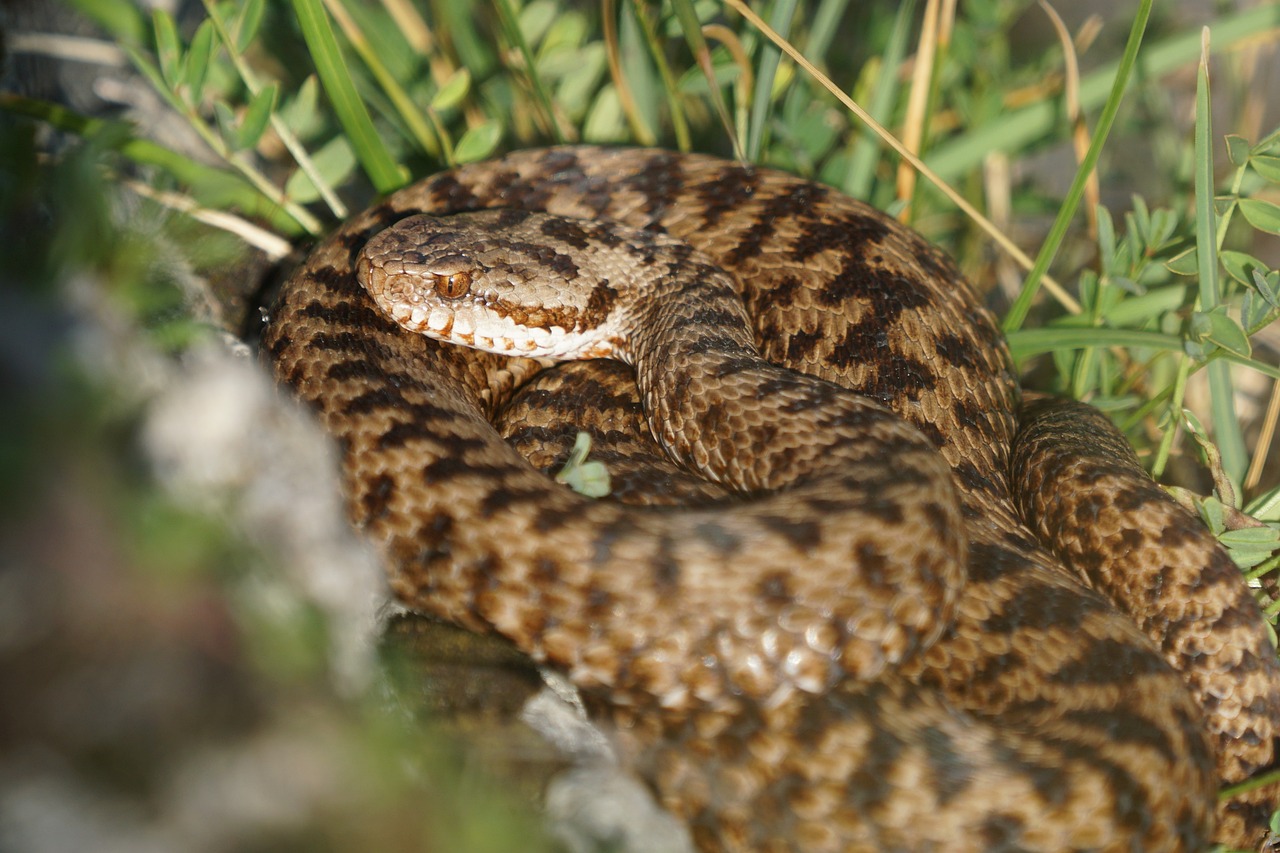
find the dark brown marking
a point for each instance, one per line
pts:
(950, 772)
(849, 233)
(801, 533)
(376, 497)
(797, 203)
(725, 192)
(775, 587)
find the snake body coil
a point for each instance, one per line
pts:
(872, 651)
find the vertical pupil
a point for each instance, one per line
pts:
(453, 286)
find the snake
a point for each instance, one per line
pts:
(853, 589)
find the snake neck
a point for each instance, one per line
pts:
(719, 408)
(685, 334)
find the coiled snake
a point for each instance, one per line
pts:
(863, 646)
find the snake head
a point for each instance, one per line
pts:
(504, 281)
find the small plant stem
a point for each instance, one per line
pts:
(422, 133)
(626, 98)
(1227, 432)
(1022, 305)
(958, 200)
(382, 169)
(511, 24)
(679, 124)
(291, 142)
(1173, 417)
(770, 57)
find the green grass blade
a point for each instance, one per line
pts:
(692, 29)
(646, 18)
(866, 146)
(1021, 305)
(1022, 128)
(511, 25)
(1025, 343)
(823, 26)
(1226, 426)
(633, 74)
(291, 142)
(475, 51)
(408, 111)
(373, 155)
(770, 56)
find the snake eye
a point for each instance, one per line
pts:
(453, 286)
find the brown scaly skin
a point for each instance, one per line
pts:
(1042, 717)
(1083, 487)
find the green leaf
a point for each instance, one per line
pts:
(1089, 289)
(687, 18)
(1200, 326)
(1266, 506)
(1249, 546)
(1267, 167)
(1239, 265)
(1268, 285)
(1224, 331)
(1106, 238)
(374, 157)
(1185, 262)
(256, 117)
(1251, 537)
(227, 123)
(1163, 223)
(452, 92)
(1254, 312)
(566, 64)
(1261, 303)
(196, 66)
(1247, 558)
(568, 31)
(1126, 284)
(1020, 129)
(168, 48)
(864, 153)
(1263, 215)
(1210, 508)
(590, 478)
(334, 161)
(1017, 312)
(576, 89)
(508, 16)
(536, 18)
(211, 187)
(1141, 222)
(1137, 310)
(1237, 149)
(605, 121)
(1269, 143)
(300, 113)
(247, 23)
(478, 142)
